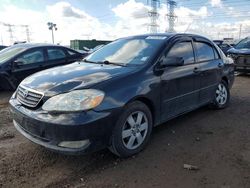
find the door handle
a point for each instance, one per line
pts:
(196, 70)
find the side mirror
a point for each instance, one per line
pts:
(172, 61)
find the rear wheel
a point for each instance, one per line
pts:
(222, 95)
(132, 131)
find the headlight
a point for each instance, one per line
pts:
(73, 101)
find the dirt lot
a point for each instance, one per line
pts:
(218, 142)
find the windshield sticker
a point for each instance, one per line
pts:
(156, 37)
(144, 58)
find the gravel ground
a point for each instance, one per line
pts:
(216, 141)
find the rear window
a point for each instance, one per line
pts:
(71, 52)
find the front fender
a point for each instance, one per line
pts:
(121, 91)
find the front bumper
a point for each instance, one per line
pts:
(242, 68)
(49, 130)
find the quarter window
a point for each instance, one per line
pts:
(56, 54)
(182, 50)
(204, 51)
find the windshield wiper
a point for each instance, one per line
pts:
(87, 61)
(106, 62)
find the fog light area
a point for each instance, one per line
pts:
(74, 144)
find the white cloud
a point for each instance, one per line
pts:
(131, 9)
(216, 3)
(131, 18)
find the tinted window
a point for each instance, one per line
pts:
(182, 50)
(204, 51)
(31, 57)
(56, 54)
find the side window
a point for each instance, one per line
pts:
(55, 53)
(182, 50)
(31, 57)
(204, 51)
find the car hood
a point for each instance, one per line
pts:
(245, 51)
(73, 76)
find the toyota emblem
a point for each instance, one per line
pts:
(25, 93)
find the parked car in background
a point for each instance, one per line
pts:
(2, 47)
(117, 94)
(86, 51)
(21, 60)
(241, 56)
(223, 46)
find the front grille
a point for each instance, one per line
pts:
(28, 97)
(241, 60)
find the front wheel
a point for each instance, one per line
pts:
(222, 95)
(132, 130)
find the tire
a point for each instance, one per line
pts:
(132, 130)
(222, 96)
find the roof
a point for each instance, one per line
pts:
(31, 45)
(171, 35)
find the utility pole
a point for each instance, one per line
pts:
(240, 31)
(171, 15)
(52, 27)
(2, 38)
(27, 32)
(218, 35)
(153, 14)
(10, 32)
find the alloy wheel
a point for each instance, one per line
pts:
(221, 94)
(134, 130)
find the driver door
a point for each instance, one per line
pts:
(180, 84)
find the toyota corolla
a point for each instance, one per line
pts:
(115, 96)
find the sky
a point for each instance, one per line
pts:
(112, 19)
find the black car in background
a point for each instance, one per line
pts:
(115, 96)
(241, 56)
(2, 47)
(223, 46)
(21, 60)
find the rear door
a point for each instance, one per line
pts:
(28, 63)
(211, 65)
(55, 56)
(180, 84)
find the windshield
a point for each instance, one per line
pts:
(133, 51)
(245, 43)
(9, 52)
